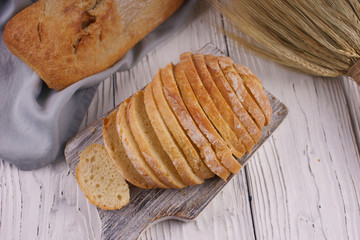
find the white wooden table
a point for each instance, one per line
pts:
(303, 183)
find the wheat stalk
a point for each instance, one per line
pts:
(320, 37)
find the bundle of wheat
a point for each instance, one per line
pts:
(319, 37)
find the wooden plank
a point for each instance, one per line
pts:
(47, 203)
(304, 181)
(39, 204)
(352, 96)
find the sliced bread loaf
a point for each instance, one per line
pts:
(255, 89)
(100, 180)
(117, 152)
(220, 103)
(176, 103)
(230, 97)
(167, 140)
(237, 84)
(149, 143)
(190, 151)
(132, 150)
(209, 107)
(221, 148)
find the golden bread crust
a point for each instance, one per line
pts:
(221, 148)
(230, 97)
(149, 144)
(179, 134)
(174, 99)
(65, 41)
(220, 103)
(168, 142)
(132, 150)
(237, 84)
(194, 78)
(255, 88)
(118, 155)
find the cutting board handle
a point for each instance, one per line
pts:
(145, 208)
(132, 228)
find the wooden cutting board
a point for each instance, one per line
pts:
(150, 206)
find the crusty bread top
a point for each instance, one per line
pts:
(174, 99)
(178, 133)
(167, 140)
(220, 103)
(132, 150)
(117, 152)
(100, 180)
(254, 87)
(230, 97)
(65, 41)
(221, 148)
(237, 84)
(149, 143)
(209, 107)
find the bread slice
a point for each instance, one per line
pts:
(168, 142)
(255, 89)
(223, 152)
(132, 150)
(230, 97)
(117, 153)
(208, 106)
(236, 83)
(100, 180)
(149, 143)
(189, 150)
(176, 103)
(220, 103)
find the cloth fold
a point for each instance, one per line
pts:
(35, 121)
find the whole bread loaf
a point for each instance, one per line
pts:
(65, 41)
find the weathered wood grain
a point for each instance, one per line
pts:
(305, 180)
(352, 96)
(32, 208)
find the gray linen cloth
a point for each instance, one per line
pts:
(35, 121)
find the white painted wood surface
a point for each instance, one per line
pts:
(304, 183)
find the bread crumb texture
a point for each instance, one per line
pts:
(100, 180)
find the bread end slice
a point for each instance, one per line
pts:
(100, 180)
